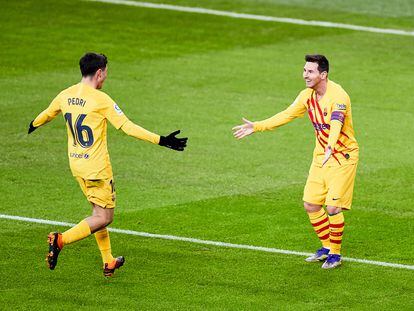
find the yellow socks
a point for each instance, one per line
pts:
(79, 232)
(104, 244)
(337, 228)
(320, 223)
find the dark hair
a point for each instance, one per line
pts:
(91, 62)
(323, 63)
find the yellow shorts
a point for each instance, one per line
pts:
(100, 192)
(331, 186)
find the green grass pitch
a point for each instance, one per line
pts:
(202, 73)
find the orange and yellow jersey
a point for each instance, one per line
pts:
(86, 111)
(331, 117)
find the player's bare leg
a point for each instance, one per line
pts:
(336, 224)
(100, 218)
(320, 222)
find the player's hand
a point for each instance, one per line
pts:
(173, 142)
(246, 129)
(328, 153)
(31, 127)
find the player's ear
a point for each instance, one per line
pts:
(98, 74)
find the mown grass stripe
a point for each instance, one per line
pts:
(265, 18)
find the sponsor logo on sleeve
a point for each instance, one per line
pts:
(118, 110)
(340, 106)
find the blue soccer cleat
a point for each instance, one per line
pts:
(320, 255)
(332, 261)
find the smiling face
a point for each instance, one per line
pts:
(312, 76)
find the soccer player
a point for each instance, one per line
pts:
(86, 111)
(335, 157)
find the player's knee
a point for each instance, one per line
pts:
(332, 210)
(310, 208)
(109, 219)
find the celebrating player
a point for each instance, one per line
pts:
(335, 157)
(86, 110)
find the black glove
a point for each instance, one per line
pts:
(173, 142)
(31, 127)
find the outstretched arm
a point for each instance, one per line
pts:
(297, 109)
(118, 119)
(45, 116)
(136, 131)
(169, 141)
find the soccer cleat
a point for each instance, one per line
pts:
(109, 268)
(54, 249)
(332, 261)
(320, 255)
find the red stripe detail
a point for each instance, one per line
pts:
(310, 112)
(321, 222)
(337, 233)
(320, 110)
(339, 142)
(316, 118)
(334, 156)
(325, 237)
(319, 140)
(322, 229)
(335, 242)
(341, 225)
(344, 134)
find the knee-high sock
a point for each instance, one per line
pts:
(337, 228)
(79, 232)
(320, 223)
(104, 244)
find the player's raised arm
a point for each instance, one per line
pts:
(46, 115)
(297, 109)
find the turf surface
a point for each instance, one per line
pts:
(201, 73)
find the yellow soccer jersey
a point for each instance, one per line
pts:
(331, 118)
(85, 111)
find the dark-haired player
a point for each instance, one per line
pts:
(86, 111)
(335, 157)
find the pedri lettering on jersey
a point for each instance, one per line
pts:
(76, 101)
(321, 126)
(79, 155)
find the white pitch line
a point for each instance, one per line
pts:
(258, 17)
(206, 242)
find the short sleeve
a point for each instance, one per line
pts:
(113, 113)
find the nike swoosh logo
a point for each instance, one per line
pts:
(334, 199)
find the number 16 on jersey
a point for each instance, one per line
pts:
(78, 130)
